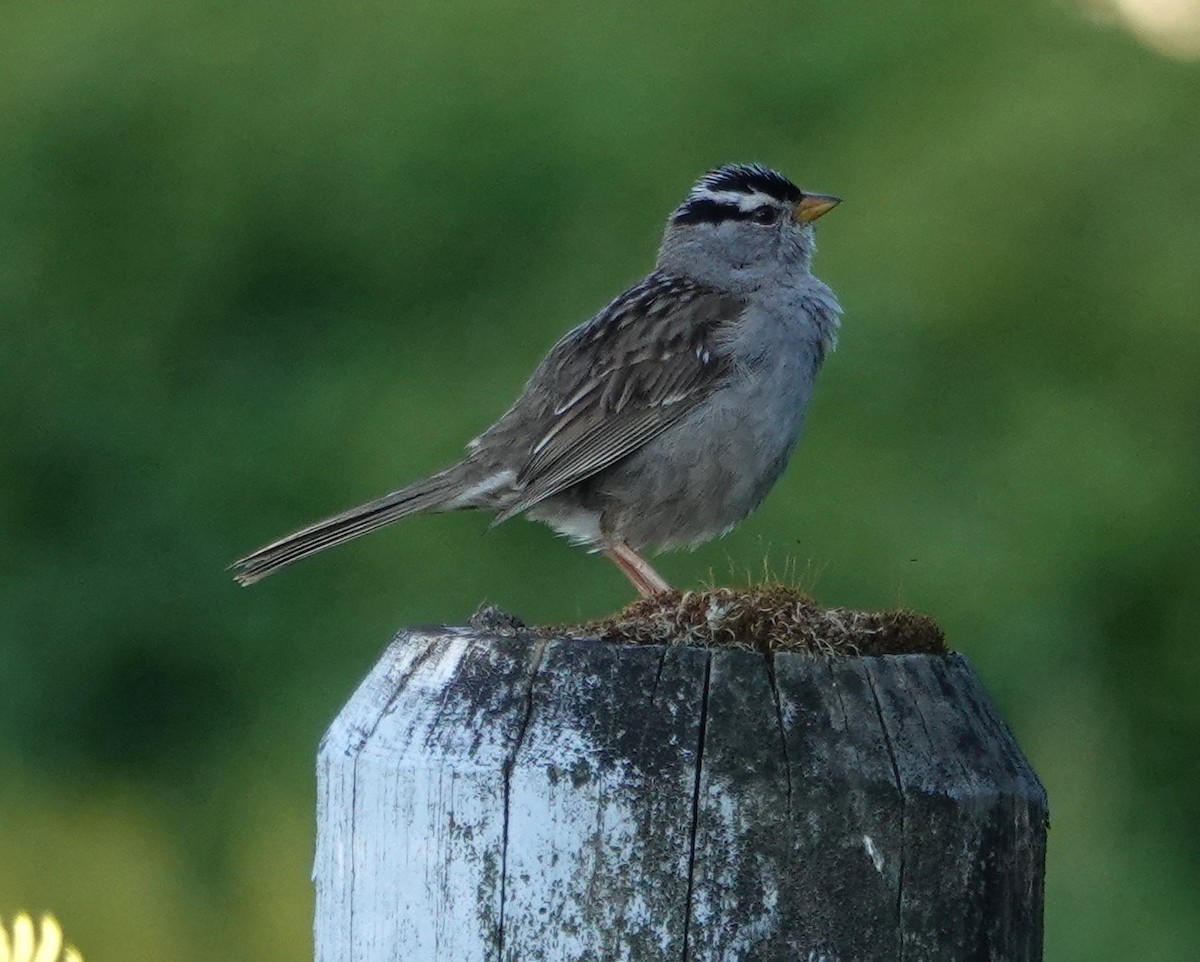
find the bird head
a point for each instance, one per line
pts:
(741, 225)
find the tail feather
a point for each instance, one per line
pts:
(432, 494)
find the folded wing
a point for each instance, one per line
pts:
(613, 384)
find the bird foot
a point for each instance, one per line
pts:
(645, 579)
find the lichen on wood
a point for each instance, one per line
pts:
(496, 794)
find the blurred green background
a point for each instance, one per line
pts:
(261, 261)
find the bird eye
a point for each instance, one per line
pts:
(765, 215)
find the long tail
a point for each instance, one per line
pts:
(436, 493)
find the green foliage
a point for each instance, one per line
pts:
(259, 262)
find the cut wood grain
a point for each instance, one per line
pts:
(496, 796)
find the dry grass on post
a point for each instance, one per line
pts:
(771, 617)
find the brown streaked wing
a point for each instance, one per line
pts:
(615, 383)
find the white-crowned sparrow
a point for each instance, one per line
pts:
(665, 419)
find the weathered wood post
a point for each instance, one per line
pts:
(514, 798)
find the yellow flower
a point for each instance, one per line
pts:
(24, 946)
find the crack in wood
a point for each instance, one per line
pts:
(787, 762)
(354, 750)
(662, 658)
(887, 741)
(353, 827)
(401, 681)
(539, 651)
(687, 917)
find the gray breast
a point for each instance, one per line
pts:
(707, 472)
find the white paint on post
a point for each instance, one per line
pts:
(333, 866)
(414, 795)
(601, 805)
(873, 853)
(501, 798)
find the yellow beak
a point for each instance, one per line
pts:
(812, 206)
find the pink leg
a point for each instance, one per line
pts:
(647, 581)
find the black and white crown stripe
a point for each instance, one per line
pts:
(735, 192)
(732, 198)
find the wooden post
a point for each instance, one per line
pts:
(512, 798)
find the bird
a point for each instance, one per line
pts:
(663, 420)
